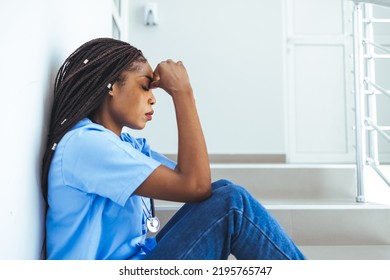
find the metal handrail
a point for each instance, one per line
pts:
(385, 3)
(378, 46)
(378, 87)
(359, 103)
(369, 124)
(376, 20)
(374, 166)
(366, 88)
(374, 55)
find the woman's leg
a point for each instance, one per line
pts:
(231, 221)
(185, 208)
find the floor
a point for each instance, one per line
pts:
(363, 252)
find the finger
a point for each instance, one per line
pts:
(156, 81)
(156, 77)
(154, 84)
(180, 63)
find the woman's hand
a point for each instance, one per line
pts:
(172, 77)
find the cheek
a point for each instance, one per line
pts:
(119, 109)
(130, 108)
(124, 102)
(130, 104)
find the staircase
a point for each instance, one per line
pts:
(316, 204)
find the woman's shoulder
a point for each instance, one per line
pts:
(87, 134)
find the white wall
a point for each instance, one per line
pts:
(36, 36)
(233, 51)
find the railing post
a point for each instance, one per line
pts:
(368, 31)
(359, 100)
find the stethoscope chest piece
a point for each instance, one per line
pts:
(153, 224)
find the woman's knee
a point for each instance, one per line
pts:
(220, 183)
(231, 193)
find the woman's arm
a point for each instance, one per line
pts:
(191, 180)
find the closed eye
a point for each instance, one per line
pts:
(146, 88)
(146, 81)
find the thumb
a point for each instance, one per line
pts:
(154, 84)
(156, 79)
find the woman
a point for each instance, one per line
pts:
(97, 180)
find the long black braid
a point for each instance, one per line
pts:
(81, 84)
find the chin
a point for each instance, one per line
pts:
(138, 127)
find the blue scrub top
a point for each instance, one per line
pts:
(93, 212)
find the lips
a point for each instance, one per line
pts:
(149, 115)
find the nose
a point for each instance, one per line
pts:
(152, 100)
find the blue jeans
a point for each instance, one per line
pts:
(231, 221)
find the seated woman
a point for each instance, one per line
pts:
(97, 181)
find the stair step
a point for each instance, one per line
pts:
(357, 252)
(336, 223)
(316, 204)
(291, 181)
(315, 222)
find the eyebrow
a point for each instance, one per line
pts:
(147, 77)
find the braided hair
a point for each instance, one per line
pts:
(80, 86)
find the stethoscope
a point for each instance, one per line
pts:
(152, 222)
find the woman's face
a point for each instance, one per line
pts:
(130, 101)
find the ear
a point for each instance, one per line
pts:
(113, 90)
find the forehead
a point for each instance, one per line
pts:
(141, 70)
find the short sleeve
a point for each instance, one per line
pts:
(163, 159)
(99, 162)
(142, 145)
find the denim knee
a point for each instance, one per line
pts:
(231, 195)
(220, 183)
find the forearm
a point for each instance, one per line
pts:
(193, 162)
(190, 181)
